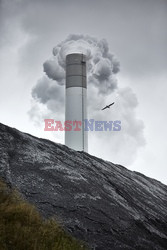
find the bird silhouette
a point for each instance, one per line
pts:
(107, 106)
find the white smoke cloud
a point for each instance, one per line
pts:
(54, 71)
(120, 147)
(101, 64)
(102, 68)
(50, 94)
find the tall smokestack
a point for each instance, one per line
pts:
(76, 98)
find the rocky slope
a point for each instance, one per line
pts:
(97, 201)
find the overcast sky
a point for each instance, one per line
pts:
(135, 32)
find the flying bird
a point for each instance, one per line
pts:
(107, 106)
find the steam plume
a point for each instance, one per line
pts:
(102, 68)
(102, 65)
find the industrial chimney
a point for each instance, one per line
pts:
(76, 101)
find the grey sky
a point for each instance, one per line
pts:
(136, 31)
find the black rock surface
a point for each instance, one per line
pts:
(97, 201)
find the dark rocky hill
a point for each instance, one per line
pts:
(97, 201)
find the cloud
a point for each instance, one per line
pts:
(49, 93)
(54, 71)
(122, 147)
(101, 64)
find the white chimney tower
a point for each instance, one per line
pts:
(76, 101)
